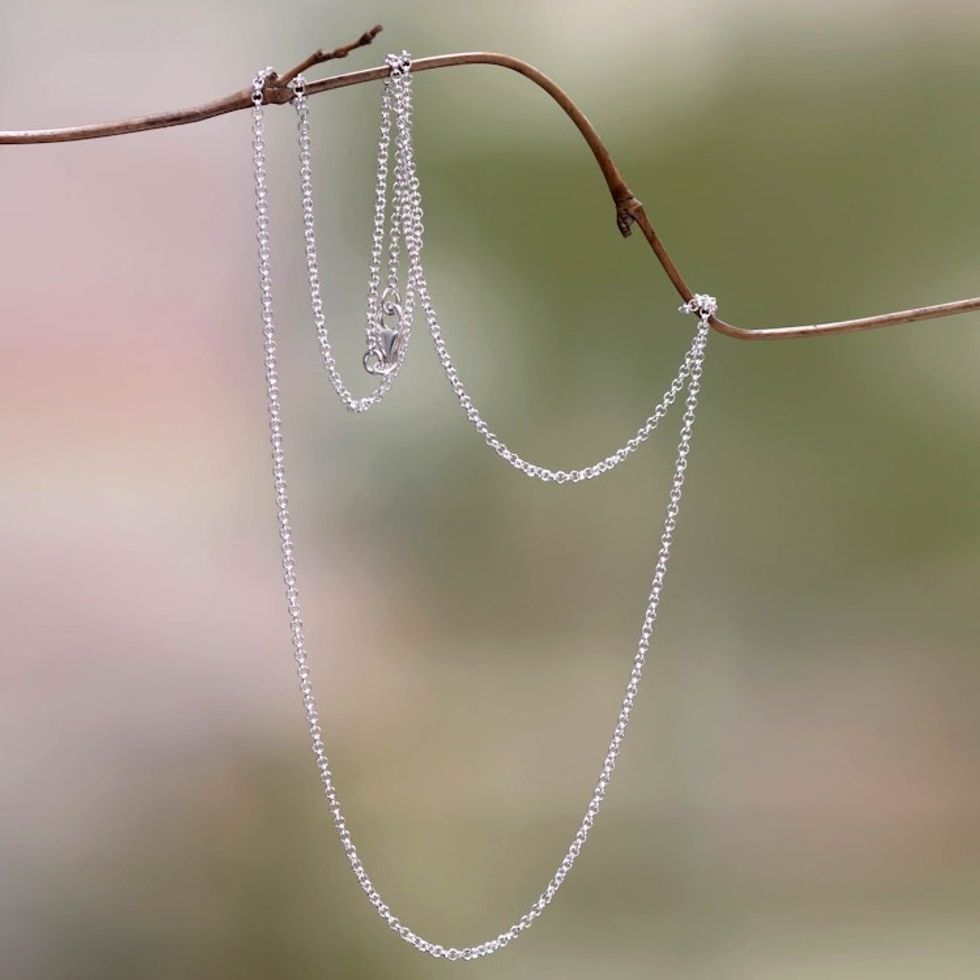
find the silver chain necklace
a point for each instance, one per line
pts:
(387, 332)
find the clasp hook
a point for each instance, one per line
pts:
(384, 343)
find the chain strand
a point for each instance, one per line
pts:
(375, 298)
(693, 363)
(406, 222)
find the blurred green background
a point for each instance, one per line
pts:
(799, 793)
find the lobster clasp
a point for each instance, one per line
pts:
(384, 342)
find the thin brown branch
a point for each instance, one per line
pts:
(629, 210)
(319, 57)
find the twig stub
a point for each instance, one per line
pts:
(321, 55)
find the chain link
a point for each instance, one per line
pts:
(693, 365)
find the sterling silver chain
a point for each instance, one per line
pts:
(406, 223)
(386, 346)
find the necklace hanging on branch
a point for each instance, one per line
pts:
(393, 297)
(388, 329)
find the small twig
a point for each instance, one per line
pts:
(319, 57)
(629, 210)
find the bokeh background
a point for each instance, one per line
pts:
(799, 793)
